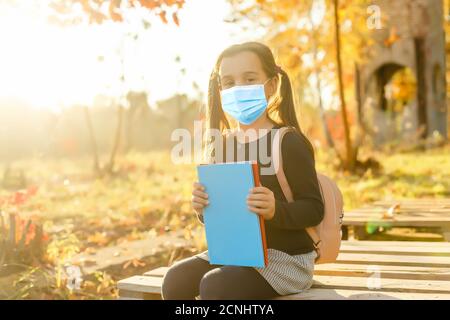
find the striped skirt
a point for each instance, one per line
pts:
(285, 273)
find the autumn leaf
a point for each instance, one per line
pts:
(19, 198)
(32, 190)
(149, 4)
(112, 12)
(389, 214)
(90, 250)
(98, 238)
(93, 9)
(135, 262)
(175, 18)
(392, 38)
(162, 15)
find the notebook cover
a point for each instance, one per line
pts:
(261, 219)
(234, 234)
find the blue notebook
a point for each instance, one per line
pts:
(234, 234)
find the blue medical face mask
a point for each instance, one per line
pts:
(244, 103)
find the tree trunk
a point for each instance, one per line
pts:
(129, 128)
(350, 159)
(93, 142)
(112, 158)
(326, 130)
(419, 45)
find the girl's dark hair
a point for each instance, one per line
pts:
(281, 111)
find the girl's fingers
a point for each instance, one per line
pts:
(258, 204)
(261, 211)
(197, 206)
(200, 200)
(199, 197)
(257, 196)
(260, 190)
(200, 194)
(198, 186)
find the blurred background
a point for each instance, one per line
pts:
(91, 90)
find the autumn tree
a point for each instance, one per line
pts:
(98, 11)
(72, 12)
(309, 41)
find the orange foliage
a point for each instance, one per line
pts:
(336, 125)
(94, 9)
(19, 197)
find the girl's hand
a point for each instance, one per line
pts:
(199, 198)
(261, 200)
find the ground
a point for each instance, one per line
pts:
(149, 197)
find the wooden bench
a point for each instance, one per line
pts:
(364, 270)
(433, 213)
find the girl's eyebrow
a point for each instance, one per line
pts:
(245, 73)
(226, 76)
(250, 72)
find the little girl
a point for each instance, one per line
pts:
(249, 90)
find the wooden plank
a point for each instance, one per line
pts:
(390, 259)
(423, 201)
(446, 233)
(424, 209)
(158, 272)
(411, 222)
(400, 205)
(422, 251)
(141, 284)
(148, 285)
(406, 244)
(130, 295)
(377, 214)
(400, 209)
(343, 294)
(444, 215)
(153, 284)
(417, 199)
(385, 284)
(386, 271)
(135, 295)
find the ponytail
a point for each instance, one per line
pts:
(215, 114)
(286, 107)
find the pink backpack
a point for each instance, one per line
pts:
(327, 235)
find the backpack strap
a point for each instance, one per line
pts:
(282, 180)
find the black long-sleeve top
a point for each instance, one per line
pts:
(286, 230)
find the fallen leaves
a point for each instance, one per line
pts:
(90, 251)
(99, 238)
(389, 213)
(135, 263)
(19, 197)
(392, 38)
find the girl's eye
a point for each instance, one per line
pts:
(228, 85)
(250, 80)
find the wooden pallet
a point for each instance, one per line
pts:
(364, 270)
(432, 213)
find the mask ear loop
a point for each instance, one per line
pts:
(264, 84)
(216, 77)
(273, 98)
